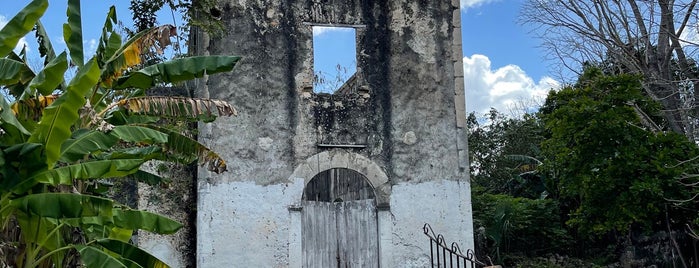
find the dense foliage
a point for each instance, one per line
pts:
(517, 226)
(583, 178)
(616, 174)
(60, 140)
(504, 153)
(204, 14)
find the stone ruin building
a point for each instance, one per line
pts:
(328, 180)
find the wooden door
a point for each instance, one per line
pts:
(340, 234)
(343, 233)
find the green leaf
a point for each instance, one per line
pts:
(93, 257)
(39, 230)
(8, 117)
(121, 234)
(22, 161)
(49, 78)
(148, 178)
(73, 33)
(64, 205)
(186, 150)
(20, 25)
(55, 125)
(130, 263)
(14, 72)
(45, 47)
(144, 220)
(131, 252)
(120, 117)
(144, 153)
(26, 75)
(131, 133)
(85, 142)
(177, 70)
(100, 169)
(110, 41)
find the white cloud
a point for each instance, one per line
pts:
(91, 47)
(466, 4)
(502, 89)
(22, 41)
(319, 30)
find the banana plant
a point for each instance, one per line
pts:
(59, 138)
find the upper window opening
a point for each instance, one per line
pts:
(334, 58)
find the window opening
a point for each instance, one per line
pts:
(334, 58)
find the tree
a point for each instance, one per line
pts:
(615, 175)
(60, 140)
(503, 154)
(648, 38)
(201, 13)
(512, 211)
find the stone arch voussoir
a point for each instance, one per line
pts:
(339, 158)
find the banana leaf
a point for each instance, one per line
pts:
(130, 263)
(20, 25)
(7, 117)
(144, 220)
(73, 33)
(181, 108)
(185, 150)
(22, 161)
(176, 71)
(110, 41)
(148, 178)
(14, 72)
(130, 252)
(85, 142)
(55, 125)
(128, 55)
(100, 169)
(145, 153)
(130, 133)
(39, 230)
(26, 74)
(45, 46)
(49, 78)
(63, 205)
(93, 257)
(120, 117)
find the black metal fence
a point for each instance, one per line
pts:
(442, 255)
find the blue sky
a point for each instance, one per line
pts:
(502, 65)
(94, 14)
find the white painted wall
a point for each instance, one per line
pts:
(444, 204)
(242, 224)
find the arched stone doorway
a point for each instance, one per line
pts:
(339, 220)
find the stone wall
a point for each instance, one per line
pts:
(175, 198)
(403, 127)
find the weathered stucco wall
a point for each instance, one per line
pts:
(175, 199)
(405, 124)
